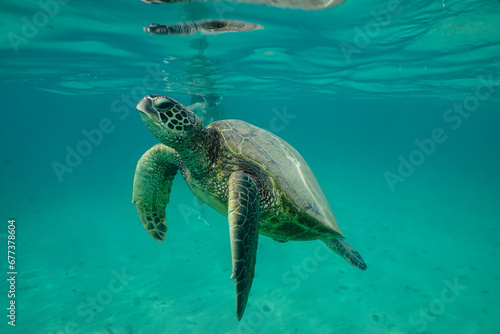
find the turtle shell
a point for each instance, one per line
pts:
(283, 163)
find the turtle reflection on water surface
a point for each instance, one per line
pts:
(299, 4)
(207, 27)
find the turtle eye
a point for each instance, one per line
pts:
(166, 105)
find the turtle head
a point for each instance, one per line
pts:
(168, 120)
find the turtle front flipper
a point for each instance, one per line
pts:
(345, 250)
(153, 178)
(244, 220)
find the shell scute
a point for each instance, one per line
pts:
(284, 164)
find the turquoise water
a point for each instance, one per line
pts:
(397, 115)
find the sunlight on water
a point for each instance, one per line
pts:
(381, 49)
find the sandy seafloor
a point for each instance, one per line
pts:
(438, 228)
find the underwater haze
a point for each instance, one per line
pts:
(395, 105)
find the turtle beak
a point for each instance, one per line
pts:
(145, 106)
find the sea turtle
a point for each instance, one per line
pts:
(256, 179)
(206, 27)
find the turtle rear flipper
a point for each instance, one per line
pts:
(153, 178)
(244, 220)
(345, 250)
